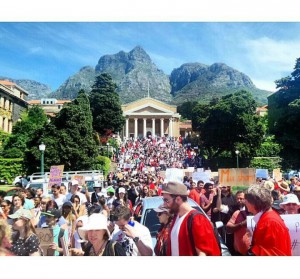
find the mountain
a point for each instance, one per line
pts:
(195, 81)
(84, 79)
(36, 90)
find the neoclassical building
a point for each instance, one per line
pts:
(148, 116)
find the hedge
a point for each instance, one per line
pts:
(103, 163)
(10, 168)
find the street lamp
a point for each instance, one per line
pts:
(237, 152)
(42, 148)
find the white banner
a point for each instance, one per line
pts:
(204, 176)
(174, 174)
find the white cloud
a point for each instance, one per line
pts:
(265, 85)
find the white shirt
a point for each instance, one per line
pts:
(174, 235)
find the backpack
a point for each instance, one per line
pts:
(190, 226)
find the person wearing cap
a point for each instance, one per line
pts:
(290, 204)
(111, 197)
(68, 213)
(271, 236)
(165, 219)
(25, 241)
(95, 231)
(74, 190)
(52, 218)
(122, 199)
(95, 194)
(175, 196)
(133, 236)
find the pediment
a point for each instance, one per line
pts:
(149, 108)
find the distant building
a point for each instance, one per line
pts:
(185, 128)
(261, 111)
(12, 103)
(50, 106)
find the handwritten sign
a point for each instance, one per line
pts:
(80, 179)
(174, 174)
(56, 173)
(277, 174)
(46, 238)
(262, 173)
(237, 177)
(292, 221)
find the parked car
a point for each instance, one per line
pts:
(148, 217)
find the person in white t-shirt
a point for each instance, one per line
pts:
(57, 196)
(134, 237)
(74, 190)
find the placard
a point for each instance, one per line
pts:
(277, 174)
(80, 179)
(204, 176)
(262, 173)
(174, 174)
(56, 173)
(237, 177)
(292, 221)
(45, 236)
(64, 245)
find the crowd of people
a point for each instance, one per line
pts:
(105, 223)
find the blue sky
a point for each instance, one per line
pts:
(50, 52)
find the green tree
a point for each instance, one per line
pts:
(185, 109)
(105, 105)
(23, 131)
(284, 116)
(231, 124)
(68, 138)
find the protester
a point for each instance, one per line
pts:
(52, 217)
(77, 242)
(69, 216)
(78, 209)
(97, 233)
(184, 241)
(134, 237)
(57, 196)
(165, 219)
(271, 236)
(290, 204)
(5, 209)
(238, 226)
(121, 199)
(5, 238)
(25, 241)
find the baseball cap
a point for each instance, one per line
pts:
(175, 188)
(21, 213)
(75, 182)
(53, 213)
(122, 190)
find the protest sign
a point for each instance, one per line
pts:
(174, 174)
(262, 173)
(80, 179)
(277, 174)
(237, 177)
(45, 236)
(293, 224)
(56, 173)
(204, 176)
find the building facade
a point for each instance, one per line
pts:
(12, 104)
(148, 116)
(50, 106)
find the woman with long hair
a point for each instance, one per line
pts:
(25, 241)
(165, 218)
(66, 212)
(78, 209)
(5, 206)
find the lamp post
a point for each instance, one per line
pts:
(42, 148)
(237, 152)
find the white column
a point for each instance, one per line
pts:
(162, 127)
(135, 127)
(1, 122)
(170, 127)
(144, 128)
(153, 127)
(5, 125)
(126, 128)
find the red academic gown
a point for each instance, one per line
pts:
(203, 235)
(271, 236)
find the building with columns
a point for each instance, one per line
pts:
(148, 116)
(12, 103)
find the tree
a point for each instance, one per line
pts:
(186, 108)
(105, 105)
(231, 124)
(68, 138)
(23, 131)
(284, 116)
